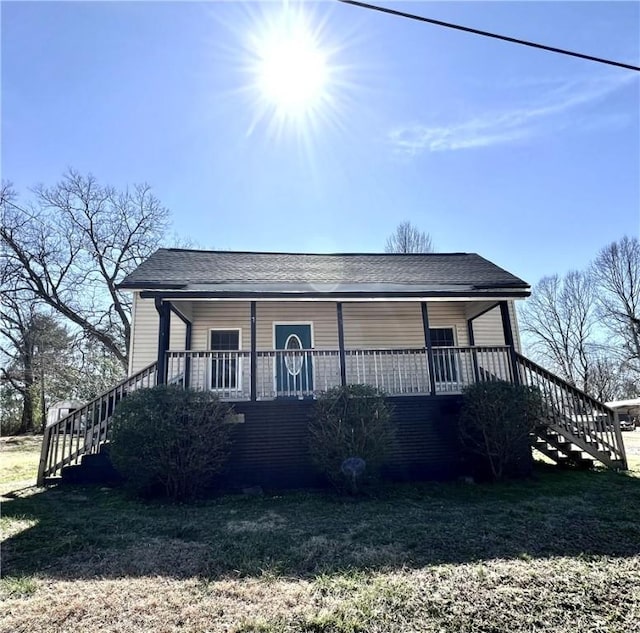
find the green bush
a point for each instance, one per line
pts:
(350, 422)
(496, 420)
(170, 441)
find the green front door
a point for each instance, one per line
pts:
(294, 368)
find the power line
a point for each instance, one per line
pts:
(30, 214)
(496, 36)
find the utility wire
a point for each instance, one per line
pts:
(505, 38)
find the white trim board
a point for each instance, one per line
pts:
(239, 367)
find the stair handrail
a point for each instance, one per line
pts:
(561, 382)
(614, 442)
(89, 425)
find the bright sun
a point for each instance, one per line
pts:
(293, 72)
(291, 68)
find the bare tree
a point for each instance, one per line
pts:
(408, 239)
(74, 242)
(616, 271)
(607, 379)
(559, 323)
(96, 370)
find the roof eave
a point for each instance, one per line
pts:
(150, 285)
(168, 293)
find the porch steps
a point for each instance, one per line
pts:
(570, 451)
(578, 431)
(561, 451)
(51, 481)
(94, 468)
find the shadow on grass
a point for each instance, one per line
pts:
(84, 532)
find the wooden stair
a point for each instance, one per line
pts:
(79, 438)
(560, 450)
(578, 430)
(94, 468)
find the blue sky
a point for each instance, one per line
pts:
(526, 157)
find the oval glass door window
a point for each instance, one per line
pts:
(293, 362)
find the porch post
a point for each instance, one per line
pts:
(254, 354)
(429, 347)
(343, 356)
(474, 354)
(508, 340)
(164, 324)
(187, 360)
(186, 381)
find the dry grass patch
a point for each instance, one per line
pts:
(153, 604)
(556, 596)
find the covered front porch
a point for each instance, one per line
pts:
(297, 349)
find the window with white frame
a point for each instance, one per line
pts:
(444, 361)
(225, 363)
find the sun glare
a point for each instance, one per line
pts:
(294, 79)
(293, 72)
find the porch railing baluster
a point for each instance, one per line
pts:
(302, 373)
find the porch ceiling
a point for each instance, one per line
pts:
(477, 308)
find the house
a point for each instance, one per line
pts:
(268, 331)
(628, 412)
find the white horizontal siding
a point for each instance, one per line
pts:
(382, 325)
(488, 330)
(220, 315)
(322, 315)
(144, 334)
(231, 314)
(398, 324)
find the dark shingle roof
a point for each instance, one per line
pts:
(224, 272)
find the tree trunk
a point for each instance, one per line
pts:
(26, 424)
(43, 405)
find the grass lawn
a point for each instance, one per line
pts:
(558, 553)
(19, 465)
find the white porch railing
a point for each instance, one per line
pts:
(303, 373)
(457, 367)
(296, 373)
(279, 373)
(226, 373)
(394, 371)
